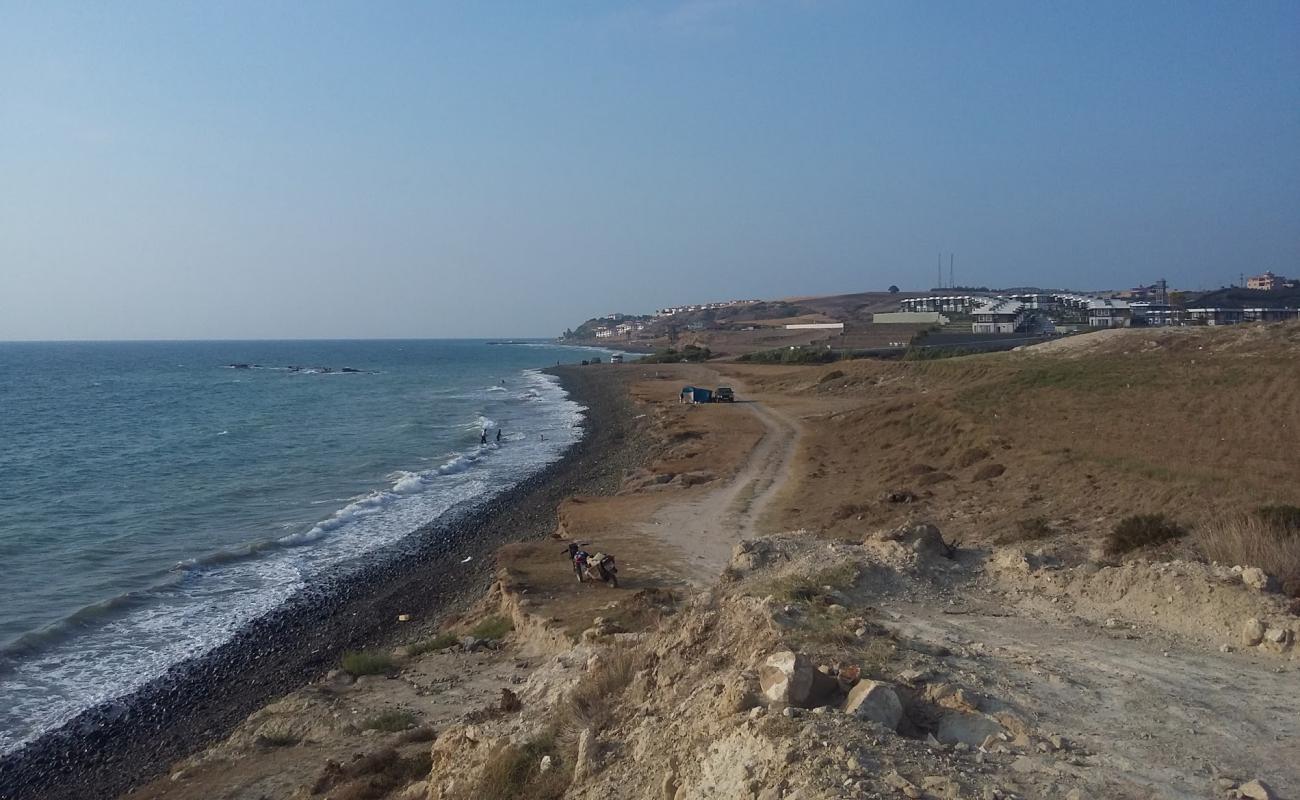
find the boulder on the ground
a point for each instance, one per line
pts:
(970, 729)
(1252, 632)
(1277, 639)
(1258, 579)
(875, 701)
(750, 554)
(923, 539)
(787, 677)
(1257, 790)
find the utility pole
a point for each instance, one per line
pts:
(941, 270)
(951, 283)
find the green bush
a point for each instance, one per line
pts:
(936, 353)
(493, 628)
(792, 355)
(673, 356)
(389, 721)
(1142, 530)
(368, 662)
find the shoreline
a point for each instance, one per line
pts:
(115, 746)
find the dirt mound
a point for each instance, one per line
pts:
(1206, 603)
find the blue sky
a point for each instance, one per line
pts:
(249, 169)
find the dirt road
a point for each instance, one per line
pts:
(1141, 707)
(695, 536)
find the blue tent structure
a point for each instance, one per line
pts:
(694, 394)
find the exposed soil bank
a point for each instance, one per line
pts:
(111, 748)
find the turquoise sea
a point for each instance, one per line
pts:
(156, 496)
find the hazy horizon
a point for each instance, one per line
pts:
(345, 171)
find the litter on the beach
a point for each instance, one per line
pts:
(466, 559)
(403, 617)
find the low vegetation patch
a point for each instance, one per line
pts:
(495, 627)
(1259, 540)
(811, 587)
(674, 356)
(277, 739)
(792, 355)
(440, 642)
(389, 721)
(368, 662)
(935, 353)
(1026, 530)
(1142, 530)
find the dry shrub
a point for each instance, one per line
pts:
(846, 510)
(972, 457)
(1026, 530)
(372, 776)
(834, 374)
(1254, 542)
(1142, 530)
(513, 772)
(988, 472)
(589, 702)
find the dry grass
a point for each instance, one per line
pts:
(590, 701)
(1195, 410)
(513, 772)
(1253, 541)
(811, 587)
(440, 642)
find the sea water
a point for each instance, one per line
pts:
(154, 497)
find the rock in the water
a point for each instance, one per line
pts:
(1257, 790)
(1252, 633)
(787, 677)
(875, 701)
